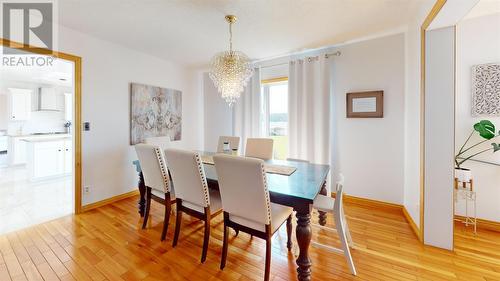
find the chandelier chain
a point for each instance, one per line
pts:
(230, 37)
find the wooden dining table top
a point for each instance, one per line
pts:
(304, 184)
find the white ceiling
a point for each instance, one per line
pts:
(60, 73)
(191, 31)
(483, 8)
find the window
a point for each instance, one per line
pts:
(275, 111)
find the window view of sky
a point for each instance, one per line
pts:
(278, 98)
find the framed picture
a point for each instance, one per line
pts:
(365, 104)
(154, 112)
(486, 90)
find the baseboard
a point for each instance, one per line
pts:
(484, 224)
(109, 200)
(370, 202)
(383, 205)
(413, 225)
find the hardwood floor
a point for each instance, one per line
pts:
(108, 244)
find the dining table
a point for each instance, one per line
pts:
(297, 190)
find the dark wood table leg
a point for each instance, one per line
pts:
(322, 215)
(142, 191)
(303, 233)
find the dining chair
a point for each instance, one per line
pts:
(162, 142)
(335, 207)
(234, 143)
(246, 203)
(261, 148)
(157, 181)
(192, 193)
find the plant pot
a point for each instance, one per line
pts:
(463, 175)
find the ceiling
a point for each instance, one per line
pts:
(60, 73)
(192, 31)
(483, 8)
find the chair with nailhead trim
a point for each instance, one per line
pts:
(192, 193)
(157, 181)
(234, 143)
(261, 148)
(246, 203)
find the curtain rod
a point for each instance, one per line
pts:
(337, 54)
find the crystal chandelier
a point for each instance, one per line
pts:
(230, 70)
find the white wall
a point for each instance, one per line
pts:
(478, 42)
(107, 71)
(439, 137)
(371, 151)
(218, 116)
(4, 109)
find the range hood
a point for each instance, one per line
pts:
(46, 100)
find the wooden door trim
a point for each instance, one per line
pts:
(77, 101)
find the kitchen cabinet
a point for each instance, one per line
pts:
(49, 157)
(4, 143)
(16, 151)
(20, 104)
(68, 157)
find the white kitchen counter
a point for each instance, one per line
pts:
(45, 138)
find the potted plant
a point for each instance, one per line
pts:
(486, 130)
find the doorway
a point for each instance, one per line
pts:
(463, 37)
(40, 136)
(477, 125)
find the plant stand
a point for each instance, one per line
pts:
(464, 191)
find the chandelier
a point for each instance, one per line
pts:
(230, 70)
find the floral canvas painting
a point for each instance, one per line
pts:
(486, 90)
(154, 112)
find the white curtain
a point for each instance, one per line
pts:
(310, 116)
(247, 111)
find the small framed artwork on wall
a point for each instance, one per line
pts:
(365, 104)
(486, 90)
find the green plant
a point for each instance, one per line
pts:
(486, 130)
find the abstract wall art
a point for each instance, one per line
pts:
(154, 112)
(486, 90)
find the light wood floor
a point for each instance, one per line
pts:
(108, 244)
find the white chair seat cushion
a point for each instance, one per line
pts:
(215, 203)
(324, 203)
(160, 194)
(279, 214)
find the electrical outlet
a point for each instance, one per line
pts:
(86, 189)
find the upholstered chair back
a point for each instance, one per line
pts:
(261, 148)
(234, 143)
(162, 142)
(188, 176)
(153, 167)
(243, 188)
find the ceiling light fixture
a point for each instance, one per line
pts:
(230, 70)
